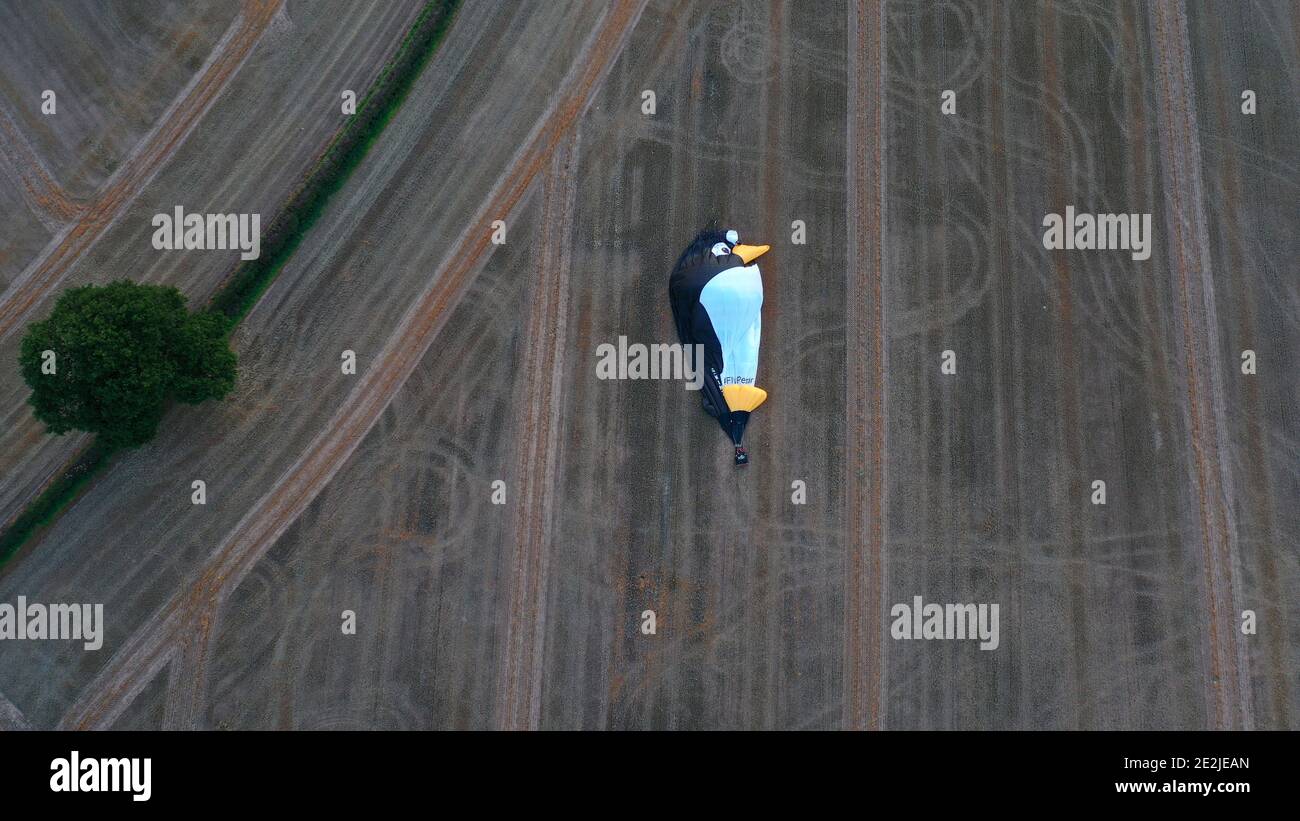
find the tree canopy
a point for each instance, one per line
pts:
(109, 358)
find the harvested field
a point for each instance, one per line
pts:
(372, 495)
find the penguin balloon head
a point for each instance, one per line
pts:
(747, 253)
(716, 246)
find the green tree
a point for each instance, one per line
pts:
(120, 352)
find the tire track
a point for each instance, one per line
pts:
(187, 680)
(1060, 189)
(520, 702)
(1259, 489)
(44, 274)
(259, 529)
(46, 198)
(1004, 334)
(11, 718)
(1161, 391)
(1228, 702)
(767, 567)
(865, 370)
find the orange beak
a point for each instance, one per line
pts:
(749, 253)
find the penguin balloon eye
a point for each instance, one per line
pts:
(721, 249)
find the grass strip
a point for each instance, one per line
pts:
(53, 499)
(343, 155)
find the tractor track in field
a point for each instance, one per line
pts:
(44, 195)
(1060, 192)
(1194, 292)
(187, 677)
(1258, 482)
(11, 718)
(538, 445)
(768, 565)
(864, 535)
(183, 617)
(30, 288)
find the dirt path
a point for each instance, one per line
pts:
(1061, 192)
(1228, 695)
(520, 704)
(43, 275)
(1259, 484)
(865, 380)
(131, 668)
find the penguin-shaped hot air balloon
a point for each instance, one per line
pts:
(717, 297)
